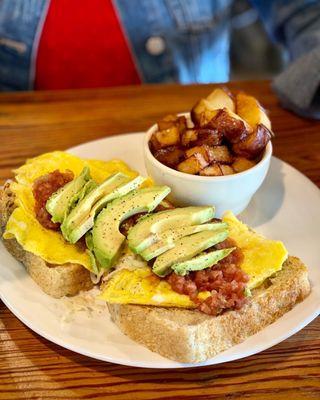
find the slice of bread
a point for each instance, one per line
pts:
(190, 336)
(55, 280)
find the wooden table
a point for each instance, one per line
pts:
(32, 367)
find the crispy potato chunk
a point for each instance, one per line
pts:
(170, 156)
(189, 136)
(230, 125)
(211, 137)
(221, 154)
(167, 122)
(168, 137)
(211, 170)
(221, 98)
(200, 136)
(164, 125)
(253, 144)
(226, 169)
(182, 124)
(204, 150)
(242, 164)
(202, 112)
(206, 109)
(251, 111)
(154, 144)
(193, 165)
(217, 170)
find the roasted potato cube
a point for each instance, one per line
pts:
(170, 156)
(221, 154)
(181, 124)
(204, 150)
(251, 111)
(253, 144)
(188, 136)
(211, 137)
(167, 122)
(154, 144)
(202, 112)
(170, 121)
(193, 165)
(168, 137)
(164, 125)
(242, 164)
(206, 109)
(221, 98)
(211, 170)
(230, 125)
(226, 169)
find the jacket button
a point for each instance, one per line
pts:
(155, 45)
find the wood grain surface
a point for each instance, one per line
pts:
(33, 368)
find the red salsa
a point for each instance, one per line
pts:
(43, 188)
(225, 281)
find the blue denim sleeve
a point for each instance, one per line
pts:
(178, 40)
(19, 21)
(296, 25)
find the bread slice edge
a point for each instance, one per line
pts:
(188, 336)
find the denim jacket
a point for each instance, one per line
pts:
(171, 40)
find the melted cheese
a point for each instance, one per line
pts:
(23, 225)
(262, 258)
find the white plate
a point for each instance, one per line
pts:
(286, 208)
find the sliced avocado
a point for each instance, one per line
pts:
(203, 261)
(186, 248)
(81, 218)
(144, 233)
(57, 205)
(107, 239)
(167, 238)
(89, 242)
(87, 188)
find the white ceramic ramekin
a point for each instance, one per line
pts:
(230, 192)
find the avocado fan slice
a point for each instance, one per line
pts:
(145, 232)
(87, 188)
(166, 240)
(94, 264)
(201, 261)
(59, 202)
(107, 239)
(186, 248)
(81, 218)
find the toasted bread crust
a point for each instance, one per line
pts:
(190, 336)
(55, 280)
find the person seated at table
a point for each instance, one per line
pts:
(56, 44)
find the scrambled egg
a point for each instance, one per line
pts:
(23, 225)
(142, 286)
(262, 258)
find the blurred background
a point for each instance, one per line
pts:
(73, 44)
(269, 58)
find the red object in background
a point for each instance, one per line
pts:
(82, 45)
